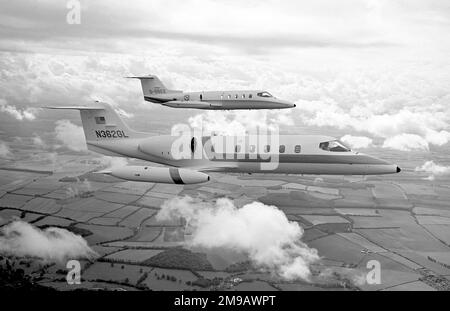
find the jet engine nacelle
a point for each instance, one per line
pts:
(161, 146)
(167, 175)
(188, 104)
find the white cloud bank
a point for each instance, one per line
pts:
(19, 114)
(232, 123)
(406, 142)
(261, 231)
(434, 170)
(52, 244)
(403, 128)
(357, 141)
(70, 135)
(113, 162)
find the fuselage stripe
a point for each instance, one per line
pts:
(297, 158)
(175, 175)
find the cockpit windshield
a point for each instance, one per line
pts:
(334, 145)
(264, 94)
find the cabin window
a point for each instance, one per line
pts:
(237, 148)
(201, 96)
(267, 148)
(137, 174)
(145, 168)
(252, 148)
(282, 148)
(298, 148)
(264, 94)
(221, 97)
(229, 96)
(193, 144)
(236, 96)
(334, 146)
(250, 96)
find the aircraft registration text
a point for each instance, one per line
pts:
(110, 134)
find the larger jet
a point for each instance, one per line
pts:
(107, 134)
(154, 91)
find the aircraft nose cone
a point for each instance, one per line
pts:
(290, 105)
(399, 169)
(286, 104)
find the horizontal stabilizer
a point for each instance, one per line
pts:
(109, 172)
(75, 107)
(140, 77)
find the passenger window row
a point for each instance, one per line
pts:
(236, 96)
(281, 148)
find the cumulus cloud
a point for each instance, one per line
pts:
(357, 141)
(404, 125)
(402, 90)
(79, 188)
(113, 162)
(406, 142)
(357, 277)
(70, 135)
(52, 244)
(261, 231)
(19, 114)
(434, 170)
(38, 141)
(5, 152)
(232, 123)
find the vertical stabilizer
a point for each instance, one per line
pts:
(101, 122)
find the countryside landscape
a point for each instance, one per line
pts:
(402, 221)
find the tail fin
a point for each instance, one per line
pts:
(101, 122)
(151, 86)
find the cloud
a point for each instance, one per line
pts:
(70, 135)
(406, 142)
(113, 162)
(261, 231)
(19, 114)
(434, 170)
(52, 244)
(402, 90)
(38, 141)
(5, 152)
(357, 277)
(357, 141)
(232, 123)
(324, 24)
(79, 188)
(404, 122)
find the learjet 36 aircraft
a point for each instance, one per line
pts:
(107, 134)
(155, 92)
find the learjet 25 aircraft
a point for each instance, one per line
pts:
(155, 92)
(107, 134)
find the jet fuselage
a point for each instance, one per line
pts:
(219, 100)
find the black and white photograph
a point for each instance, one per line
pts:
(207, 146)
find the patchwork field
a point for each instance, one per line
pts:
(401, 221)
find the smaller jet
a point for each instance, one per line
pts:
(155, 92)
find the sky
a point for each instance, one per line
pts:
(376, 73)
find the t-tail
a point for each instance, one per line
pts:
(103, 127)
(153, 89)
